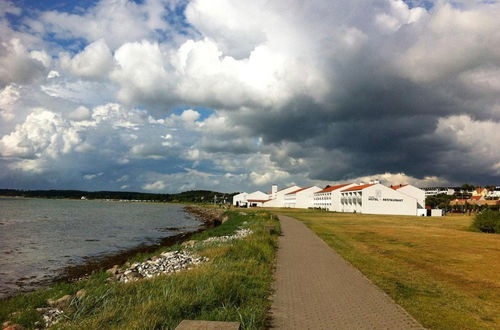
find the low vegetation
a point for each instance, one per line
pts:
(234, 285)
(488, 221)
(443, 274)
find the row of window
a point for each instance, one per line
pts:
(350, 200)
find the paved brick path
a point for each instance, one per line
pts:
(316, 289)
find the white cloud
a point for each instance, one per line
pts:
(7, 7)
(453, 41)
(43, 132)
(289, 83)
(190, 116)
(79, 114)
(95, 61)
(17, 65)
(140, 72)
(53, 74)
(8, 98)
(92, 176)
(155, 186)
(117, 22)
(400, 178)
(478, 139)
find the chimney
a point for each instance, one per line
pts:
(274, 191)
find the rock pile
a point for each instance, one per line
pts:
(50, 316)
(167, 262)
(238, 234)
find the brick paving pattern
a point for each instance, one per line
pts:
(316, 289)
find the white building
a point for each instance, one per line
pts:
(302, 198)
(329, 198)
(375, 198)
(495, 193)
(276, 198)
(412, 191)
(244, 199)
(433, 191)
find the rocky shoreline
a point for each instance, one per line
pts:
(209, 217)
(182, 259)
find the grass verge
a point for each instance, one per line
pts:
(233, 286)
(444, 275)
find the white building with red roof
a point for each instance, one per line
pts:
(375, 198)
(276, 198)
(257, 198)
(329, 198)
(302, 198)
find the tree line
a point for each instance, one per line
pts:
(200, 196)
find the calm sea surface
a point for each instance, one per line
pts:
(39, 237)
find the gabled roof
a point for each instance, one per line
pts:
(476, 198)
(332, 188)
(356, 188)
(258, 200)
(296, 191)
(396, 187)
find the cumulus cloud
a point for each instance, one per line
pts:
(316, 92)
(95, 61)
(18, 65)
(140, 72)
(117, 22)
(8, 97)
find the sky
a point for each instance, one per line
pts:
(166, 96)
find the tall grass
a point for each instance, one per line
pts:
(233, 286)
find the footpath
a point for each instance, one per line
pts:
(316, 289)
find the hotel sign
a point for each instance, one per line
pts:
(375, 199)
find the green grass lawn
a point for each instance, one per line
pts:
(233, 286)
(444, 275)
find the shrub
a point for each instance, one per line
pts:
(487, 221)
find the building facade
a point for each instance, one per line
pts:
(433, 191)
(329, 198)
(375, 198)
(301, 198)
(412, 191)
(276, 198)
(244, 199)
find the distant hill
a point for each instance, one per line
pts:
(203, 196)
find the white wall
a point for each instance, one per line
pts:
(240, 198)
(243, 197)
(335, 198)
(414, 192)
(305, 198)
(280, 197)
(258, 195)
(379, 199)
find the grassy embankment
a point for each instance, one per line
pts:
(444, 275)
(233, 286)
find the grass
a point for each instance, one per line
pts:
(233, 286)
(444, 275)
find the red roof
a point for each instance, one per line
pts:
(332, 188)
(356, 188)
(476, 198)
(296, 191)
(396, 187)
